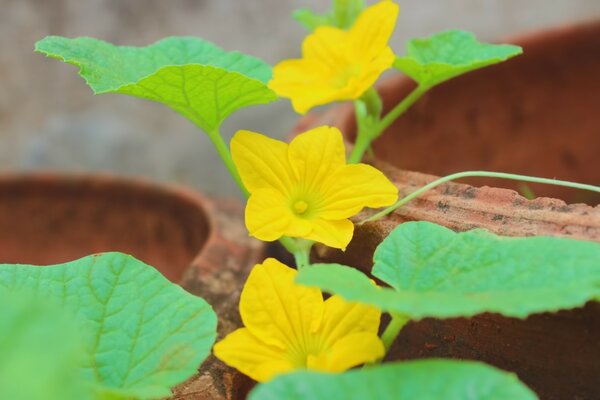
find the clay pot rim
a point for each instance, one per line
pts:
(140, 184)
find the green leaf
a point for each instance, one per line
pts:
(445, 55)
(434, 272)
(424, 380)
(142, 334)
(192, 76)
(311, 20)
(342, 15)
(39, 351)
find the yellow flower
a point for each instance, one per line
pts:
(306, 189)
(289, 326)
(338, 64)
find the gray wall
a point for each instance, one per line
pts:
(49, 118)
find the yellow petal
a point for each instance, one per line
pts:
(328, 45)
(341, 318)
(268, 216)
(336, 234)
(261, 161)
(277, 310)
(316, 154)
(373, 28)
(306, 97)
(354, 187)
(351, 350)
(249, 355)
(305, 82)
(370, 73)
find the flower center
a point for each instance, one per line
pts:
(309, 353)
(300, 207)
(341, 79)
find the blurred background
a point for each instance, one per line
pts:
(49, 118)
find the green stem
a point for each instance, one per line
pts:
(217, 140)
(398, 110)
(488, 174)
(361, 144)
(392, 330)
(367, 132)
(301, 255)
(300, 248)
(288, 243)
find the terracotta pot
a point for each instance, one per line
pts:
(535, 115)
(194, 241)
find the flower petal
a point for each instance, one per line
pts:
(316, 154)
(354, 187)
(249, 355)
(370, 73)
(262, 162)
(341, 318)
(328, 45)
(268, 216)
(351, 350)
(336, 234)
(372, 30)
(305, 82)
(277, 310)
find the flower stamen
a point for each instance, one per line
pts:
(300, 207)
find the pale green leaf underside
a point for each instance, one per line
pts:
(445, 55)
(423, 380)
(142, 333)
(39, 351)
(434, 272)
(194, 77)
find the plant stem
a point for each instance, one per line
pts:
(398, 110)
(361, 144)
(300, 248)
(288, 243)
(217, 140)
(301, 255)
(367, 132)
(488, 174)
(392, 330)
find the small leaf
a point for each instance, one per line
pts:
(445, 55)
(435, 272)
(424, 380)
(142, 334)
(311, 20)
(342, 15)
(39, 351)
(192, 76)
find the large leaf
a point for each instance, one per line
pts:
(445, 55)
(423, 380)
(190, 75)
(434, 272)
(142, 334)
(39, 351)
